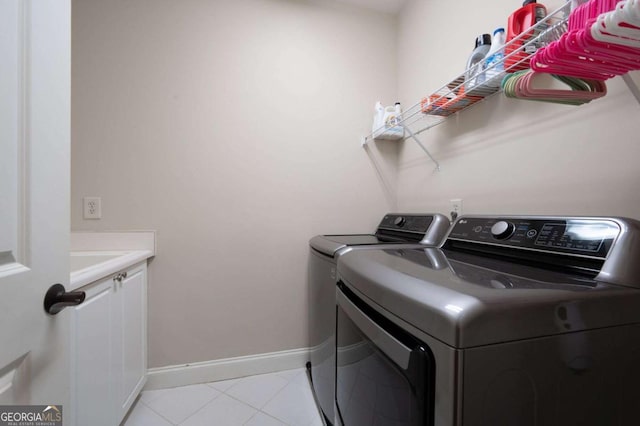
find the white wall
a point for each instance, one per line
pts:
(232, 128)
(504, 155)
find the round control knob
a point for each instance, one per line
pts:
(400, 221)
(502, 230)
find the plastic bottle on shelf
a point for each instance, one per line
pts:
(385, 122)
(494, 61)
(519, 22)
(378, 120)
(473, 75)
(392, 115)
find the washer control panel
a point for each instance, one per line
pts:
(406, 222)
(428, 229)
(580, 236)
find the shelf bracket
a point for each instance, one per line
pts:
(633, 87)
(413, 136)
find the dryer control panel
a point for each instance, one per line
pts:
(604, 248)
(585, 237)
(408, 223)
(428, 229)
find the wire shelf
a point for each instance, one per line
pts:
(464, 91)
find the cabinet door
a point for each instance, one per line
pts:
(93, 353)
(132, 295)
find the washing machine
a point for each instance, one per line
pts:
(513, 321)
(394, 230)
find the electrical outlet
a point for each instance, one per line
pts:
(456, 207)
(92, 207)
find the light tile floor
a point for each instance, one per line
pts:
(276, 399)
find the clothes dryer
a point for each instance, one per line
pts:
(514, 321)
(394, 230)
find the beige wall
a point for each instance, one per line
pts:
(232, 128)
(504, 155)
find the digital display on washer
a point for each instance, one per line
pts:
(587, 236)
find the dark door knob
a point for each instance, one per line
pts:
(57, 299)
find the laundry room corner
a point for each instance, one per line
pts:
(233, 130)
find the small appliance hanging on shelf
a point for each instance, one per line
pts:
(386, 122)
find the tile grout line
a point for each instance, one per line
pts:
(201, 408)
(268, 415)
(289, 381)
(249, 419)
(256, 408)
(259, 410)
(241, 401)
(155, 412)
(274, 396)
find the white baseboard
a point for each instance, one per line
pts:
(224, 369)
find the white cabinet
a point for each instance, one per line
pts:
(109, 349)
(133, 331)
(91, 355)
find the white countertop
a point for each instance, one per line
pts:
(96, 255)
(90, 266)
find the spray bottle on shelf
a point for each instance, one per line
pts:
(519, 22)
(494, 61)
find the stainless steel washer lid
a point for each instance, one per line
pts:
(330, 244)
(474, 301)
(428, 229)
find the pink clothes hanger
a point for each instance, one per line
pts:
(603, 41)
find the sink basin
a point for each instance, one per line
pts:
(79, 261)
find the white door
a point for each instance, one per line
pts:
(35, 44)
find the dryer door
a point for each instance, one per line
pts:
(322, 330)
(384, 375)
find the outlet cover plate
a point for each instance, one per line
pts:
(456, 206)
(92, 207)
